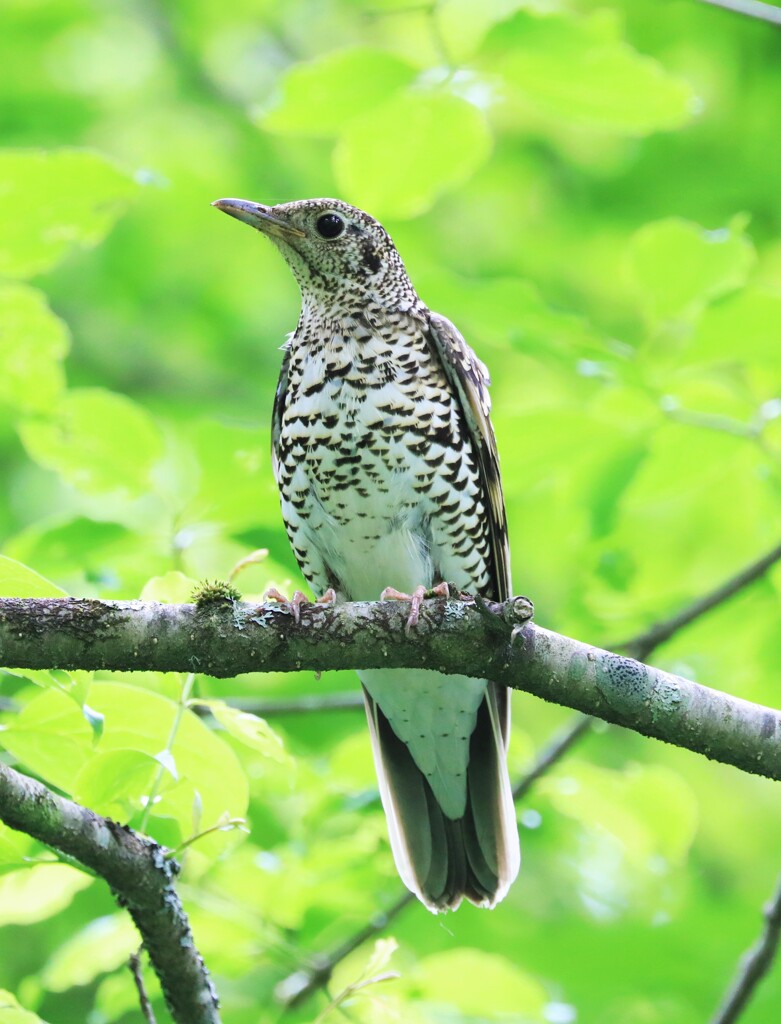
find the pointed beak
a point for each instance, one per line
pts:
(258, 216)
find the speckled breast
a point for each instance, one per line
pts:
(378, 483)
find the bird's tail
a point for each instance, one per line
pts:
(443, 859)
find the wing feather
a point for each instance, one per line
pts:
(470, 380)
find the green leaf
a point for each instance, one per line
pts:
(51, 737)
(17, 580)
(116, 782)
(173, 588)
(98, 442)
(745, 327)
(463, 24)
(33, 343)
(105, 944)
(678, 267)
(75, 684)
(14, 846)
(12, 1013)
(449, 978)
(320, 96)
(137, 720)
(397, 159)
(86, 553)
(579, 72)
(235, 487)
(59, 199)
(249, 729)
(37, 892)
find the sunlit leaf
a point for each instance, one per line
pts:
(105, 944)
(173, 588)
(98, 441)
(18, 580)
(743, 327)
(60, 199)
(12, 1013)
(115, 783)
(320, 96)
(249, 729)
(579, 71)
(36, 892)
(397, 159)
(33, 342)
(449, 978)
(678, 267)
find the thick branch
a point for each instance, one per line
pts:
(141, 876)
(481, 640)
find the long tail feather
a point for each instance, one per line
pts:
(443, 859)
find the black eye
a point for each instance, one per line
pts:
(329, 225)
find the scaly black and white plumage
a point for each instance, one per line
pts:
(389, 476)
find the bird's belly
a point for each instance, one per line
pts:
(368, 527)
(373, 482)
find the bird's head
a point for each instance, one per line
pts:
(342, 258)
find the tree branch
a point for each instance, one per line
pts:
(754, 964)
(481, 639)
(141, 876)
(750, 9)
(641, 646)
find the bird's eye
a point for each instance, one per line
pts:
(330, 226)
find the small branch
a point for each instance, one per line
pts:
(754, 964)
(299, 986)
(750, 9)
(138, 977)
(641, 646)
(349, 701)
(553, 753)
(140, 875)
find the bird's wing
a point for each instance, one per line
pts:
(470, 380)
(280, 397)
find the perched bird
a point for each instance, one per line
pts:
(388, 473)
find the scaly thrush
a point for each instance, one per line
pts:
(388, 474)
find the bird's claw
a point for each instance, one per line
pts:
(294, 603)
(417, 597)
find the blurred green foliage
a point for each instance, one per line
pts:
(591, 193)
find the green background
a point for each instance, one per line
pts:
(591, 193)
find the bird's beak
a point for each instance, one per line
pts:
(258, 216)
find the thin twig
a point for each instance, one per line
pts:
(299, 986)
(561, 743)
(754, 964)
(347, 701)
(750, 9)
(641, 646)
(135, 969)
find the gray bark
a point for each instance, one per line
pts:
(486, 640)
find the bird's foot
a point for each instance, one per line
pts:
(294, 603)
(417, 597)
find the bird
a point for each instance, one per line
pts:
(388, 473)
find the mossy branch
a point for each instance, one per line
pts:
(481, 639)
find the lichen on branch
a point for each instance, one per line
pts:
(482, 639)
